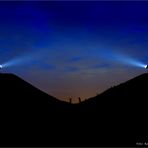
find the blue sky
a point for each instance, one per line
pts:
(72, 49)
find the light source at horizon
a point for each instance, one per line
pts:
(17, 61)
(146, 66)
(115, 57)
(126, 60)
(1, 66)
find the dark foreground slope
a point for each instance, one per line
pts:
(17, 93)
(30, 117)
(121, 112)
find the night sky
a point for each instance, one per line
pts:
(74, 49)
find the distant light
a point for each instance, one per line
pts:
(146, 66)
(17, 61)
(1, 66)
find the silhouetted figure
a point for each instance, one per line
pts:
(70, 100)
(79, 100)
(147, 67)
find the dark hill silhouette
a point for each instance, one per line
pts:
(122, 110)
(27, 113)
(14, 89)
(134, 88)
(29, 117)
(22, 98)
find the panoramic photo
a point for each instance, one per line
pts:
(73, 73)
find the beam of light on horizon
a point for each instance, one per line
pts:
(123, 59)
(21, 60)
(17, 61)
(107, 57)
(119, 58)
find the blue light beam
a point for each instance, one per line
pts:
(130, 61)
(17, 62)
(121, 58)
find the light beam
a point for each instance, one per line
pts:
(17, 61)
(1, 66)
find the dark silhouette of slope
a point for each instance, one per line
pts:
(121, 112)
(17, 94)
(30, 117)
(27, 114)
(134, 88)
(11, 85)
